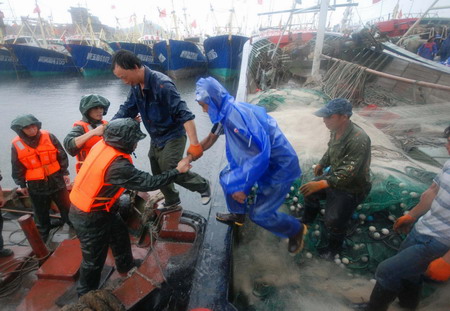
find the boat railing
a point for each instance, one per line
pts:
(389, 17)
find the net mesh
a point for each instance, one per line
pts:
(398, 177)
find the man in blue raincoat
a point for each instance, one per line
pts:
(258, 154)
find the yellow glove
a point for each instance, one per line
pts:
(196, 151)
(438, 270)
(313, 186)
(404, 224)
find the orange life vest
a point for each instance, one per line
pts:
(81, 156)
(91, 179)
(41, 161)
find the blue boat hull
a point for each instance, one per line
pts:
(224, 55)
(9, 66)
(90, 60)
(143, 51)
(41, 61)
(179, 59)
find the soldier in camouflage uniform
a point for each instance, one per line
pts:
(346, 181)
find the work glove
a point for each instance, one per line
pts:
(313, 186)
(318, 170)
(196, 151)
(438, 270)
(404, 224)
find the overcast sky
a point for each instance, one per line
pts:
(199, 10)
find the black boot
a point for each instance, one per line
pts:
(380, 299)
(409, 296)
(334, 247)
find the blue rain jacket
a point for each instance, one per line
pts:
(257, 150)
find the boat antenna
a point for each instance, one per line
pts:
(38, 11)
(175, 22)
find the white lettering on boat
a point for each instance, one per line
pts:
(98, 58)
(212, 54)
(52, 60)
(6, 58)
(145, 58)
(189, 55)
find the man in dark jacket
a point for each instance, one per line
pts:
(4, 252)
(342, 175)
(167, 119)
(89, 130)
(39, 167)
(99, 183)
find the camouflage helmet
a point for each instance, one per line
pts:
(23, 121)
(91, 101)
(123, 134)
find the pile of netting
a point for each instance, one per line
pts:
(275, 98)
(345, 80)
(370, 238)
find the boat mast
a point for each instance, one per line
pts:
(416, 23)
(230, 21)
(285, 27)
(40, 25)
(315, 75)
(177, 35)
(91, 31)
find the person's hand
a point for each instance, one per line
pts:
(24, 191)
(195, 150)
(2, 199)
(138, 118)
(99, 130)
(318, 170)
(313, 186)
(66, 179)
(438, 270)
(239, 196)
(184, 165)
(404, 224)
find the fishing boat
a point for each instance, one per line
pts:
(397, 27)
(224, 55)
(179, 59)
(89, 56)
(39, 54)
(9, 66)
(47, 58)
(143, 51)
(166, 240)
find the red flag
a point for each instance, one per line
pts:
(260, 1)
(375, 1)
(37, 9)
(162, 13)
(400, 14)
(194, 24)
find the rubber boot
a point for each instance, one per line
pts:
(380, 299)
(409, 296)
(334, 247)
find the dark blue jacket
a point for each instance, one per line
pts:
(162, 110)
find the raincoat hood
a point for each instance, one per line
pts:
(22, 121)
(212, 93)
(123, 134)
(91, 101)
